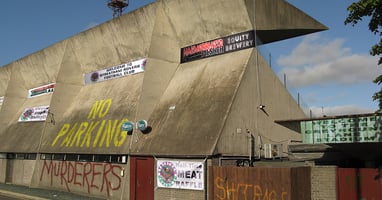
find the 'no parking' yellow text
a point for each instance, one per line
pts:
(95, 132)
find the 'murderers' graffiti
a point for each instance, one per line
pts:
(90, 176)
(93, 133)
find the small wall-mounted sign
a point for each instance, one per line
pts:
(116, 71)
(39, 113)
(128, 126)
(227, 44)
(38, 91)
(142, 125)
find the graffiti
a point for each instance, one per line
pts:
(230, 190)
(102, 177)
(94, 133)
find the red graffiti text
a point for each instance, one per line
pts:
(102, 177)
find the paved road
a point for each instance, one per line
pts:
(12, 195)
(2, 197)
(15, 192)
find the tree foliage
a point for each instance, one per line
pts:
(370, 9)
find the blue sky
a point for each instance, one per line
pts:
(331, 71)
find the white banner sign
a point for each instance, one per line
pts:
(1, 100)
(45, 89)
(116, 71)
(180, 174)
(34, 114)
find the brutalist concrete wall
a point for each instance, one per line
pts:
(33, 71)
(324, 182)
(21, 172)
(259, 86)
(186, 104)
(88, 116)
(4, 79)
(3, 167)
(195, 100)
(98, 179)
(210, 86)
(82, 110)
(273, 21)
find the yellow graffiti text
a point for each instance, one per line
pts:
(100, 109)
(97, 132)
(226, 190)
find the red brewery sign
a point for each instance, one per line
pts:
(236, 42)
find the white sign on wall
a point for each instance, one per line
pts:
(39, 113)
(115, 71)
(1, 100)
(45, 89)
(180, 174)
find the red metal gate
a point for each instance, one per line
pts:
(355, 183)
(142, 178)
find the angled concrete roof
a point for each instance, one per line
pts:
(186, 104)
(33, 71)
(192, 110)
(279, 20)
(119, 41)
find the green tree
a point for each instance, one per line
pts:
(369, 9)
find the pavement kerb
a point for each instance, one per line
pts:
(22, 196)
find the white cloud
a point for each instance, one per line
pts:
(320, 102)
(339, 110)
(317, 61)
(313, 50)
(329, 73)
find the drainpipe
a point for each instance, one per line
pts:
(251, 147)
